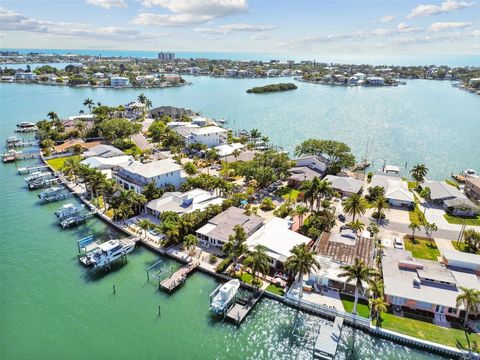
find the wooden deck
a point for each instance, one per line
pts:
(179, 277)
(239, 311)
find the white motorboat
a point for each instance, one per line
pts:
(68, 210)
(26, 127)
(47, 193)
(225, 295)
(107, 252)
(470, 173)
(37, 175)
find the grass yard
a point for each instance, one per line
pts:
(57, 163)
(274, 289)
(362, 308)
(133, 150)
(428, 331)
(287, 193)
(473, 221)
(246, 278)
(453, 183)
(421, 248)
(416, 215)
(460, 246)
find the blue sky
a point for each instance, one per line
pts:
(280, 26)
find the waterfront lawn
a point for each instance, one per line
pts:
(429, 331)
(421, 248)
(460, 246)
(246, 278)
(362, 308)
(472, 221)
(453, 183)
(287, 193)
(57, 163)
(274, 289)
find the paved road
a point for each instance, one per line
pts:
(141, 142)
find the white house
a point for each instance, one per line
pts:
(182, 203)
(25, 76)
(460, 259)
(119, 81)
(136, 175)
(396, 190)
(106, 163)
(278, 239)
(210, 136)
(375, 81)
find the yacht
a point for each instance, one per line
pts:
(67, 210)
(470, 173)
(26, 127)
(224, 296)
(37, 175)
(107, 252)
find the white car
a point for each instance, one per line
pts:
(397, 244)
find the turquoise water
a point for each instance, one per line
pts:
(450, 60)
(52, 308)
(424, 121)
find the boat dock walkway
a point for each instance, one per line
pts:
(30, 169)
(328, 339)
(179, 277)
(241, 308)
(20, 143)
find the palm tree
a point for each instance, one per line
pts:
(355, 205)
(302, 261)
(357, 226)
(52, 115)
(427, 195)
(470, 299)
(301, 210)
(142, 98)
(235, 247)
(377, 306)
(190, 241)
(381, 205)
(430, 228)
(414, 227)
(376, 288)
(80, 127)
(255, 134)
(236, 154)
(258, 261)
(324, 189)
(358, 272)
(145, 225)
(419, 172)
(148, 104)
(310, 191)
(88, 103)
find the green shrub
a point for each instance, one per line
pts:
(223, 265)
(213, 259)
(267, 204)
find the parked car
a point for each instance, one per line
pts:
(341, 217)
(397, 244)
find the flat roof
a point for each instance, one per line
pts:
(455, 255)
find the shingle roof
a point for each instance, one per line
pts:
(441, 190)
(103, 150)
(346, 184)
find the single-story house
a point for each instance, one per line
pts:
(69, 147)
(101, 163)
(396, 190)
(104, 151)
(440, 191)
(218, 229)
(306, 169)
(173, 112)
(346, 186)
(462, 206)
(278, 239)
(182, 203)
(228, 149)
(424, 285)
(460, 259)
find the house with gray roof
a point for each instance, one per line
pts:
(104, 151)
(306, 169)
(346, 186)
(451, 198)
(218, 229)
(425, 286)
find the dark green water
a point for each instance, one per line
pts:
(52, 308)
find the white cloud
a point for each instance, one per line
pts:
(475, 32)
(386, 19)
(12, 21)
(226, 29)
(108, 4)
(188, 12)
(447, 6)
(403, 28)
(259, 37)
(444, 26)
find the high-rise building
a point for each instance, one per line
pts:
(166, 56)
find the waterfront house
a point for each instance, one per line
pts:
(228, 149)
(119, 81)
(182, 203)
(28, 76)
(172, 78)
(346, 186)
(72, 146)
(451, 198)
(104, 151)
(428, 287)
(106, 163)
(306, 169)
(218, 229)
(174, 112)
(396, 190)
(472, 188)
(136, 175)
(278, 239)
(375, 81)
(210, 136)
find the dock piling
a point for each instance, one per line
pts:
(114, 290)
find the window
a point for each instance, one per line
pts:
(452, 310)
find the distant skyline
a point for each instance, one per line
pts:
(285, 27)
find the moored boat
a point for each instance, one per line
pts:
(224, 297)
(26, 126)
(107, 252)
(67, 210)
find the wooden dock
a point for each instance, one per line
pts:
(241, 308)
(29, 169)
(327, 340)
(179, 277)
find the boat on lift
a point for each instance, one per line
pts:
(224, 297)
(107, 252)
(67, 211)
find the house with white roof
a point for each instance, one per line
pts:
(210, 136)
(106, 163)
(136, 175)
(396, 190)
(346, 186)
(426, 286)
(278, 239)
(119, 81)
(228, 149)
(182, 203)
